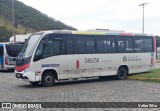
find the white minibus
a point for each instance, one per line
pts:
(49, 56)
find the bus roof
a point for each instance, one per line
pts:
(96, 32)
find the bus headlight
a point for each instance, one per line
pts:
(26, 70)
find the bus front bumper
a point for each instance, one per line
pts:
(27, 76)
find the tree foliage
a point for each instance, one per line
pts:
(29, 17)
(4, 33)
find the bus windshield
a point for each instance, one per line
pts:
(13, 49)
(30, 45)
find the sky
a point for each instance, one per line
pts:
(125, 15)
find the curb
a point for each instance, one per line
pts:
(143, 79)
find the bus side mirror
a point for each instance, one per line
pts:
(20, 56)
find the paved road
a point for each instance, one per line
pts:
(158, 65)
(92, 90)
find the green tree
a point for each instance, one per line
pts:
(28, 17)
(4, 34)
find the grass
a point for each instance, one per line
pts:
(158, 60)
(147, 76)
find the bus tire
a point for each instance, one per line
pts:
(48, 79)
(34, 83)
(122, 73)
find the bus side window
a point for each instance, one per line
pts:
(138, 45)
(111, 45)
(84, 44)
(121, 47)
(69, 45)
(129, 45)
(106, 45)
(80, 45)
(39, 51)
(101, 46)
(90, 45)
(148, 45)
(53, 45)
(53, 48)
(125, 44)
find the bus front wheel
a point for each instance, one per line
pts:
(122, 73)
(48, 79)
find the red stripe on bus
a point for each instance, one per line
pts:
(154, 43)
(77, 64)
(21, 68)
(126, 34)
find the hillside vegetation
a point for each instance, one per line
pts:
(27, 20)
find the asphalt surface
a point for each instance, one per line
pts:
(87, 90)
(158, 65)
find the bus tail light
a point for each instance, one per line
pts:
(6, 60)
(77, 64)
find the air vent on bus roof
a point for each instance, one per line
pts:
(105, 30)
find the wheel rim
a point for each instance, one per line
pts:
(48, 79)
(122, 73)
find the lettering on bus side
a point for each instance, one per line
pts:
(91, 60)
(50, 65)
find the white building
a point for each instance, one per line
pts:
(20, 38)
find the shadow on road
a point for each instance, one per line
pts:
(9, 71)
(71, 82)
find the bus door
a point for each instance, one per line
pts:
(54, 57)
(39, 64)
(1, 56)
(70, 64)
(86, 61)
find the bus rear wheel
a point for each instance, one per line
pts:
(122, 73)
(48, 79)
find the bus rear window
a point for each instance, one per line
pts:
(13, 49)
(1, 51)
